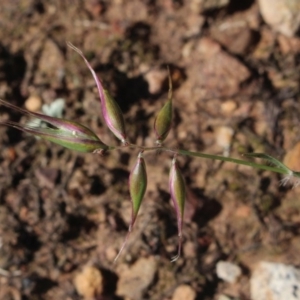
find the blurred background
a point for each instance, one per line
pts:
(63, 215)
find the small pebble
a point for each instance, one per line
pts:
(184, 292)
(283, 15)
(224, 135)
(156, 79)
(228, 271)
(33, 103)
(228, 107)
(135, 280)
(89, 283)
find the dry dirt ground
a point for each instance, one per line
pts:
(63, 215)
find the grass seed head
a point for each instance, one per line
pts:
(177, 191)
(68, 134)
(111, 111)
(137, 189)
(163, 120)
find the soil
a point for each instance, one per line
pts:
(236, 90)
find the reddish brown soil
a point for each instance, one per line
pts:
(61, 211)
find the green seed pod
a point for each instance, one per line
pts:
(137, 189)
(68, 134)
(177, 191)
(137, 185)
(163, 121)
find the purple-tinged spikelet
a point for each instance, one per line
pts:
(113, 117)
(177, 191)
(137, 189)
(111, 111)
(68, 134)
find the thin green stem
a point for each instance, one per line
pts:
(206, 156)
(133, 146)
(232, 160)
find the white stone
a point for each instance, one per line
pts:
(282, 15)
(228, 271)
(275, 281)
(55, 108)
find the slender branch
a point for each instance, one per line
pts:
(232, 160)
(207, 156)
